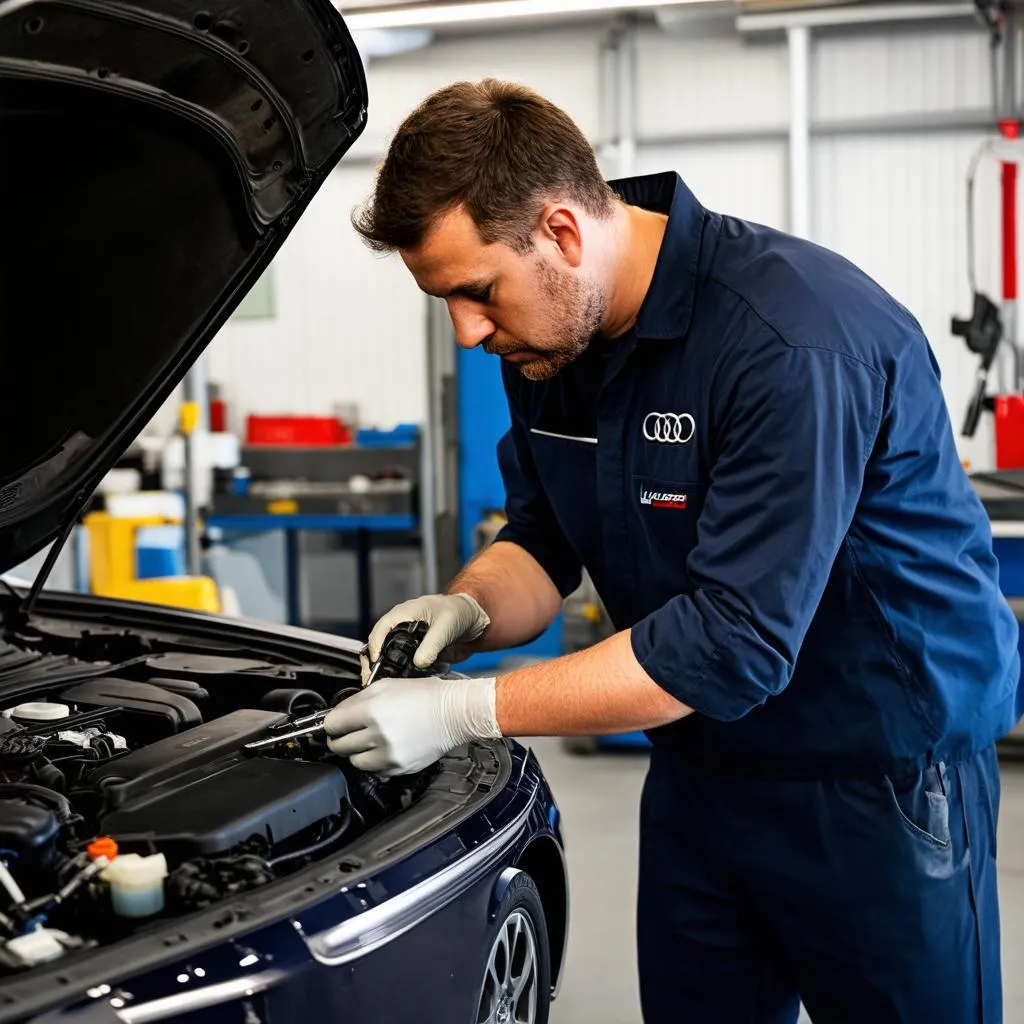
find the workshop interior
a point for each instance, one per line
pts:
(237, 438)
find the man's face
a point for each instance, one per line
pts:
(534, 309)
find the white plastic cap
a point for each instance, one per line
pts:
(41, 711)
(133, 871)
(36, 947)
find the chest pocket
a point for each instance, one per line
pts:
(665, 513)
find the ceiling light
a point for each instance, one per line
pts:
(423, 15)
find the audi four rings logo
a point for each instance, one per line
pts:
(669, 427)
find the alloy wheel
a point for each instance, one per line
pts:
(509, 993)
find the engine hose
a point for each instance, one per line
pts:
(8, 882)
(316, 847)
(56, 800)
(51, 777)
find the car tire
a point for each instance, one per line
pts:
(516, 988)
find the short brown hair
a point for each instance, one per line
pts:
(497, 148)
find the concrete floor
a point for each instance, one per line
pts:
(599, 797)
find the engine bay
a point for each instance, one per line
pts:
(127, 796)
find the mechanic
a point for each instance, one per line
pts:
(743, 440)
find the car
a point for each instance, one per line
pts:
(156, 156)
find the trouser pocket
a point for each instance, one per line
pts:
(922, 804)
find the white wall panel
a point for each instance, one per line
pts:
(899, 71)
(348, 329)
(895, 206)
(743, 179)
(709, 84)
(561, 65)
(349, 325)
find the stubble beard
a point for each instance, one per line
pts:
(577, 313)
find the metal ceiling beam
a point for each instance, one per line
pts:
(866, 14)
(478, 12)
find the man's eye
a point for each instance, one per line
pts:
(482, 295)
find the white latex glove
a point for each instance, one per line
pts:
(452, 618)
(399, 726)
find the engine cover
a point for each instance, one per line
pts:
(209, 810)
(198, 794)
(135, 774)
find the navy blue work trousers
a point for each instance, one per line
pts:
(872, 901)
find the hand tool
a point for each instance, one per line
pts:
(398, 650)
(395, 660)
(296, 723)
(283, 737)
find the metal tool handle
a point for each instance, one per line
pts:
(283, 737)
(316, 716)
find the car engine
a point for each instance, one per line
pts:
(124, 800)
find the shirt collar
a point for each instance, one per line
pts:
(668, 305)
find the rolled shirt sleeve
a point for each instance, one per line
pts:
(531, 520)
(798, 426)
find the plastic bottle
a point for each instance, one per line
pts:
(136, 884)
(40, 711)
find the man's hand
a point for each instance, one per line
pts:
(398, 726)
(453, 619)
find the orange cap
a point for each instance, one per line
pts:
(102, 847)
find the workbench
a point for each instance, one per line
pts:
(1002, 494)
(292, 524)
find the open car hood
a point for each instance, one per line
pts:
(156, 153)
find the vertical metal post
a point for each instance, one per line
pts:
(195, 392)
(191, 513)
(431, 468)
(607, 113)
(625, 100)
(616, 149)
(799, 43)
(441, 449)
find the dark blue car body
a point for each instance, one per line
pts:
(396, 926)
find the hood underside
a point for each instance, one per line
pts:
(155, 156)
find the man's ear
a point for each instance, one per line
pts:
(560, 227)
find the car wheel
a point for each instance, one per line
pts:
(516, 987)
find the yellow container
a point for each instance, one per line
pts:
(112, 567)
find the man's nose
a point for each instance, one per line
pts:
(471, 328)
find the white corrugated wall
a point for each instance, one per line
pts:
(350, 326)
(895, 203)
(725, 95)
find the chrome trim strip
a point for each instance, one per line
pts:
(199, 998)
(563, 437)
(376, 927)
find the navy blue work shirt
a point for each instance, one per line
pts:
(762, 481)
